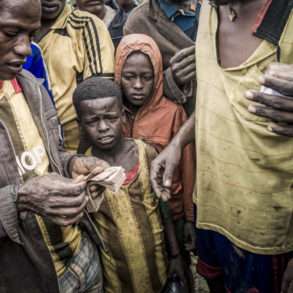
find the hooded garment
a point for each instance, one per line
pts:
(158, 121)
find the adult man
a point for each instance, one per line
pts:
(244, 142)
(173, 26)
(112, 15)
(75, 45)
(35, 204)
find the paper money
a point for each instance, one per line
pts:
(112, 178)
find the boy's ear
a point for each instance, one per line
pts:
(123, 114)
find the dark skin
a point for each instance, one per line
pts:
(101, 120)
(126, 5)
(51, 9)
(183, 62)
(235, 44)
(96, 7)
(59, 199)
(137, 81)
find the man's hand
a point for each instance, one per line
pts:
(183, 66)
(189, 236)
(57, 198)
(83, 166)
(278, 106)
(163, 169)
(287, 284)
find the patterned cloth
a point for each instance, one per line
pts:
(84, 272)
(243, 272)
(129, 222)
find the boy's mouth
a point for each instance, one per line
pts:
(106, 139)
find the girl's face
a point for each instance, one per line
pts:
(137, 79)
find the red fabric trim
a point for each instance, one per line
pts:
(16, 86)
(1, 83)
(261, 15)
(130, 175)
(208, 271)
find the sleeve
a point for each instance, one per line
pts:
(8, 213)
(187, 167)
(99, 49)
(173, 92)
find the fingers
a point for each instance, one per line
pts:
(188, 61)
(62, 221)
(276, 102)
(278, 84)
(282, 130)
(66, 202)
(272, 114)
(282, 71)
(183, 54)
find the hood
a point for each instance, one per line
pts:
(146, 45)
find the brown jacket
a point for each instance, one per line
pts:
(26, 264)
(149, 19)
(158, 120)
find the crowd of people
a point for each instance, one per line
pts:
(137, 135)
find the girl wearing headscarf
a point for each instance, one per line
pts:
(156, 120)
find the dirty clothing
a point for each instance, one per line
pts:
(133, 258)
(22, 249)
(77, 46)
(157, 122)
(244, 171)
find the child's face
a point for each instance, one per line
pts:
(102, 121)
(137, 79)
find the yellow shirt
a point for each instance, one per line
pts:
(77, 47)
(32, 160)
(244, 171)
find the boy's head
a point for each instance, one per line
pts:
(137, 79)
(98, 103)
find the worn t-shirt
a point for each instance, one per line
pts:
(77, 46)
(244, 171)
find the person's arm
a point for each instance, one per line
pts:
(163, 167)
(179, 77)
(8, 213)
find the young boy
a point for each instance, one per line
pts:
(129, 222)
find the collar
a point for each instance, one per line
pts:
(60, 22)
(171, 9)
(272, 20)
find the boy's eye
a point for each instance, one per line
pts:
(148, 77)
(10, 33)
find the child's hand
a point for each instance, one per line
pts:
(189, 236)
(176, 268)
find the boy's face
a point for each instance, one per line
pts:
(137, 79)
(102, 121)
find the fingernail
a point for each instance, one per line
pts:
(249, 95)
(167, 183)
(270, 128)
(251, 109)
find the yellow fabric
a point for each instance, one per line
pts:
(34, 157)
(131, 228)
(77, 46)
(32, 160)
(244, 171)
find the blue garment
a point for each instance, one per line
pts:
(35, 65)
(242, 271)
(186, 20)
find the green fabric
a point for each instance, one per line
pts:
(244, 171)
